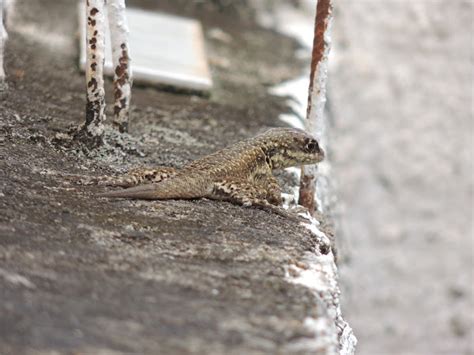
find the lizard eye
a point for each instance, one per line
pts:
(312, 146)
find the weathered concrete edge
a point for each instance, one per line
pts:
(319, 273)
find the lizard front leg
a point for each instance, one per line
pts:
(269, 184)
(246, 194)
(133, 177)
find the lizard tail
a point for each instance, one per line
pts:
(168, 189)
(145, 192)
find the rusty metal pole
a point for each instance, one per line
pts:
(121, 62)
(92, 131)
(316, 96)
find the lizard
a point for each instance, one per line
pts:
(241, 173)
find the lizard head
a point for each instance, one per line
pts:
(287, 147)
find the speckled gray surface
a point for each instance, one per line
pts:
(85, 275)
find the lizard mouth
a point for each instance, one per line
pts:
(313, 158)
(321, 155)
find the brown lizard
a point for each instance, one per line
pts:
(241, 173)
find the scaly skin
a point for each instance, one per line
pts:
(241, 173)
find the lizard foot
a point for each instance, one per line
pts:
(246, 194)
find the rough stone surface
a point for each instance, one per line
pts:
(402, 123)
(86, 275)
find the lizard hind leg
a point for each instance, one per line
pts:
(137, 176)
(246, 194)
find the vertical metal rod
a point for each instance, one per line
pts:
(121, 62)
(92, 130)
(316, 96)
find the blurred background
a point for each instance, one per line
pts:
(400, 109)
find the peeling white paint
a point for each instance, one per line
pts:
(95, 109)
(119, 39)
